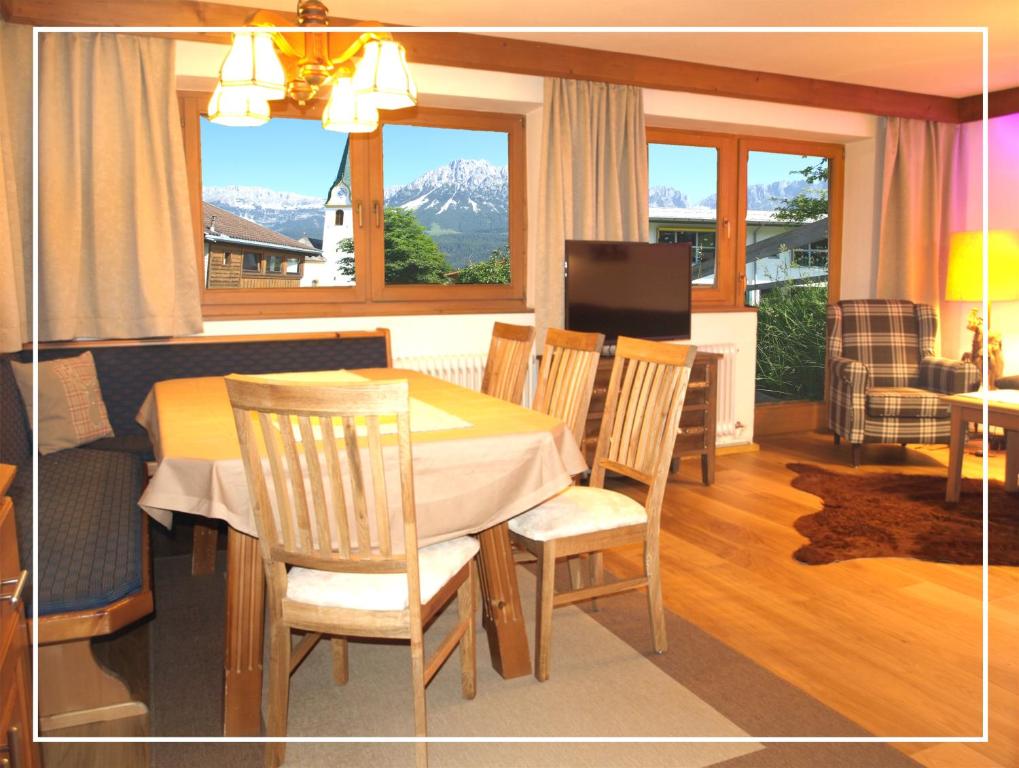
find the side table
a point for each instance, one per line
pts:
(1002, 411)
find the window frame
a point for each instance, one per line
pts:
(722, 295)
(369, 295)
(513, 127)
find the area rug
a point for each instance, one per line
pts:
(898, 515)
(605, 682)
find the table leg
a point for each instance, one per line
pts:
(955, 453)
(245, 596)
(1012, 461)
(500, 599)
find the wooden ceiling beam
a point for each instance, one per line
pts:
(999, 103)
(473, 51)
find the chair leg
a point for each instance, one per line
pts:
(857, 451)
(465, 612)
(546, 597)
(656, 610)
(279, 690)
(597, 574)
(341, 670)
(576, 566)
(417, 663)
(838, 439)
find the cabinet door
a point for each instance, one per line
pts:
(16, 745)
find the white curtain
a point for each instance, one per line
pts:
(593, 182)
(116, 245)
(915, 194)
(15, 185)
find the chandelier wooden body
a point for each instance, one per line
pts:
(265, 65)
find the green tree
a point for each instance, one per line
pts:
(810, 205)
(495, 270)
(412, 257)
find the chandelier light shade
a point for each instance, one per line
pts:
(237, 107)
(252, 65)
(265, 64)
(383, 77)
(346, 112)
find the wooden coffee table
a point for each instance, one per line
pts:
(1002, 411)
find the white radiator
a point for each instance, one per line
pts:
(464, 370)
(726, 424)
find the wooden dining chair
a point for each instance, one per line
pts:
(638, 432)
(569, 364)
(333, 502)
(509, 356)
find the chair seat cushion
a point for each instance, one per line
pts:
(437, 563)
(906, 402)
(577, 510)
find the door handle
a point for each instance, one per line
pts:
(375, 211)
(360, 216)
(15, 597)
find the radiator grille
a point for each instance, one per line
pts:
(726, 423)
(464, 370)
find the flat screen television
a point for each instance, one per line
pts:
(628, 289)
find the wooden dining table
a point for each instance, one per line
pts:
(478, 461)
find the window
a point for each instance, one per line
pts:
(427, 213)
(692, 180)
(252, 262)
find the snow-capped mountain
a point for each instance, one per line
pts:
(463, 196)
(288, 213)
(767, 197)
(667, 197)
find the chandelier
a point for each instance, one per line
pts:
(265, 65)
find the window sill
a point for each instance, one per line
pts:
(248, 311)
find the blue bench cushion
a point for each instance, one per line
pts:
(90, 527)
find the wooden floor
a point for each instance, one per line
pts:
(894, 644)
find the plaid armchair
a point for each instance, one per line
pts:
(884, 381)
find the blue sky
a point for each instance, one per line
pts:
(291, 155)
(694, 169)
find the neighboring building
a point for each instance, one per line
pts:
(777, 251)
(338, 225)
(242, 254)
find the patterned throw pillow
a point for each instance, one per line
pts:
(71, 407)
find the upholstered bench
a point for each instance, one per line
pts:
(94, 564)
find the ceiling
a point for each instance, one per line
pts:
(940, 63)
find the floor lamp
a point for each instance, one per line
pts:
(965, 283)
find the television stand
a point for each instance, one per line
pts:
(696, 435)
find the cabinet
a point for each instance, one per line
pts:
(696, 425)
(17, 750)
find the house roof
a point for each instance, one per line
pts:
(221, 226)
(706, 214)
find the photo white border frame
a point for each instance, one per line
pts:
(983, 738)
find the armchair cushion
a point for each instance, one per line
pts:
(950, 377)
(906, 402)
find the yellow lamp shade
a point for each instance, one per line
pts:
(252, 65)
(382, 76)
(966, 266)
(237, 108)
(347, 112)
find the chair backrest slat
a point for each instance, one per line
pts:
(331, 506)
(509, 356)
(642, 409)
(569, 365)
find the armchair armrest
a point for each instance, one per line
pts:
(846, 371)
(949, 377)
(847, 387)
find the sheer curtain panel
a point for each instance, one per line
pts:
(116, 245)
(15, 186)
(594, 179)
